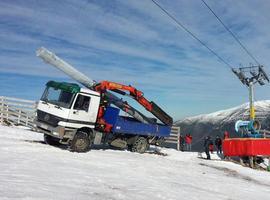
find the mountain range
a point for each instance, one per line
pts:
(217, 123)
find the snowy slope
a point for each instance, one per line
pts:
(32, 170)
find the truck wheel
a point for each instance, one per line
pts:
(81, 142)
(51, 140)
(129, 147)
(140, 145)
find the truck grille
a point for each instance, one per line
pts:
(48, 118)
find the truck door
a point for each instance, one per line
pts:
(81, 111)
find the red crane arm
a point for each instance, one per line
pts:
(136, 94)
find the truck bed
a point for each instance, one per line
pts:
(128, 125)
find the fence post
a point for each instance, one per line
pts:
(251, 161)
(268, 167)
(26, 120)
(7, 110)
(178, 138)
(2, 110)
(19, 116)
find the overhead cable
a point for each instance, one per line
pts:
(190, 33)
(233, 35)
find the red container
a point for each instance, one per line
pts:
(246, 147)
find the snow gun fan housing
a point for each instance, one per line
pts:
(248, 128)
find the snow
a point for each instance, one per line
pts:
(31, 170)
(232, 114)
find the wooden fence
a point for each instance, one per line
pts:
(174, 137)
(14, 111)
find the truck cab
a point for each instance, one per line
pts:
(64, 108)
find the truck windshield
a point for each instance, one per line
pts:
(57, 97)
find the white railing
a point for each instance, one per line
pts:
(14, 111)
(174, 137)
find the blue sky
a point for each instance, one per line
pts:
(133, 42)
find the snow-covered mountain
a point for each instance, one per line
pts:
(32, 170)
(216, 123)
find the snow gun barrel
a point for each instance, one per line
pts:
(49, 57)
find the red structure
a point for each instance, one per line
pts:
(246, 147)
(136, 95)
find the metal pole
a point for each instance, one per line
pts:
(178, 139)
(268, 168)
(251, 101)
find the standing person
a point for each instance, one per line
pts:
(207, 143)
(182, 143)
(188, 139)
(211, 148)
(226, 135)
(218, 143)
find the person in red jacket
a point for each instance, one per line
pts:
(188, 139)
(211, 148)
(226, 135)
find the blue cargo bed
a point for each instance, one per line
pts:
(128, 125)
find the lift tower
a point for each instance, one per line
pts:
(249, 76)
(252, 143)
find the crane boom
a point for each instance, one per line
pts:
(138, 96)
(49, 57)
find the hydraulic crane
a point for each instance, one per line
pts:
(69, 70)
(136, 95)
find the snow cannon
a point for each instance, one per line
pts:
(248, 128)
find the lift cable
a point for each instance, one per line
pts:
(233, 35)
(192, 34)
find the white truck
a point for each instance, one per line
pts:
(80, 117)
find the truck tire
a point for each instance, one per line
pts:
(51, 140)
(129, 147)
(140, 145)
(81, 142)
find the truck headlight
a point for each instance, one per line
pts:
(55, 133)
